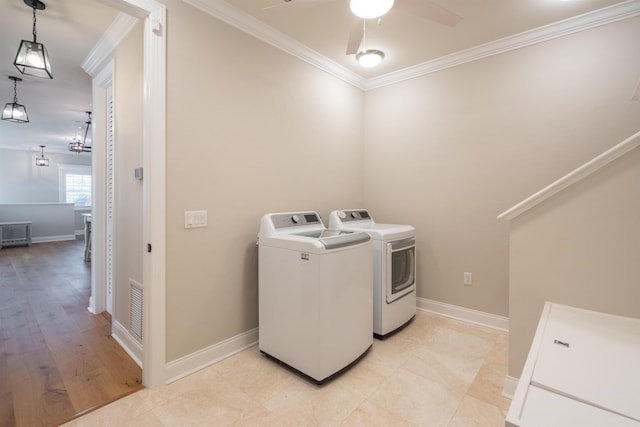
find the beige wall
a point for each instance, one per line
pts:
(128, 93)
(580, 248)
(449, 151)
(250, 130)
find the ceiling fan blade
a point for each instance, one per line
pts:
(356, 34)
(428, 10)
(295, 3)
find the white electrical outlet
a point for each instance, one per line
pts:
(195, 219)
(468, 278)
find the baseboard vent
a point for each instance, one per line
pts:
(135, 308)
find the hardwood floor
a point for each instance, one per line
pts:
(56, 358)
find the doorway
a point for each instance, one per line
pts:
(153, 14)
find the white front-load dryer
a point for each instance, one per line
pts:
(394, 268)
(315, 296)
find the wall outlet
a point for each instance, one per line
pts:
(468, 278)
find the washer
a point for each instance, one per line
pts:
(394, 268)
(315, 296)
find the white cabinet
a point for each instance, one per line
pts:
(583, 369)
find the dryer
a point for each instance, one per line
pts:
(315, 296)
(394, 268)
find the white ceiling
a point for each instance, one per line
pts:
(406, 39)
(70, 29)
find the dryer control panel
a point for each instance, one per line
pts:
(354, 215)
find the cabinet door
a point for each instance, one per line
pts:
(591, 357)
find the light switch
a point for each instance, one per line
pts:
(468, 278)
(195, 219)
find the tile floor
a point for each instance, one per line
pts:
(435, 372)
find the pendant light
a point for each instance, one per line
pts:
(32, 57)
(41, 161)
(13, 111)
(369, 9)
(78, 146)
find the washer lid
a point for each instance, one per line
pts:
(333, 239)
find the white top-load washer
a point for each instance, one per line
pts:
(315, 296)
(394, 268)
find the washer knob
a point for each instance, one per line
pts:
(295, 219)
(354, 215)
(341, 214)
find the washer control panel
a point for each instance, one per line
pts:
(297, 219)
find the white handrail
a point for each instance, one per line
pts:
(573, 177)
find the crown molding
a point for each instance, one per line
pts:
(36, 149)
(247, 23)
(103, 50)
(607, 15)
(250, 25)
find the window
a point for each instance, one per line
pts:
(75, 185)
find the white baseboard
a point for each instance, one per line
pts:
(509, 389)
(465, 314)
(200, 359)
(79, 232)
(127, 341)
(46, 239)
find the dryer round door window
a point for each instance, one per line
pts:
(401, 268)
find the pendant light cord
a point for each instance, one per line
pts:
(86, 131)
(15, 91)
(35, 33)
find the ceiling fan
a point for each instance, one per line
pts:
(425, 9)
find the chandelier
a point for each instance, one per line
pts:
(13, 111)
(80, 146)
(32, 57)
(41, 160)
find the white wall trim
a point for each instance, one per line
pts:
(154, 15)
(34, 149)
(102, 80)
(60, 238)
(545, 33)
(476, 317)
(103, 50)
(250, 25)
(127, 341)
(510, 385)
(200, 359)
(235, 17)
(571, 178)
(154, 209)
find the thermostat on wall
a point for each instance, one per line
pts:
(137, 172)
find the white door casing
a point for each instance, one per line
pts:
(110, 193)
(153, 212)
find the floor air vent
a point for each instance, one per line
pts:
(135, 308)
